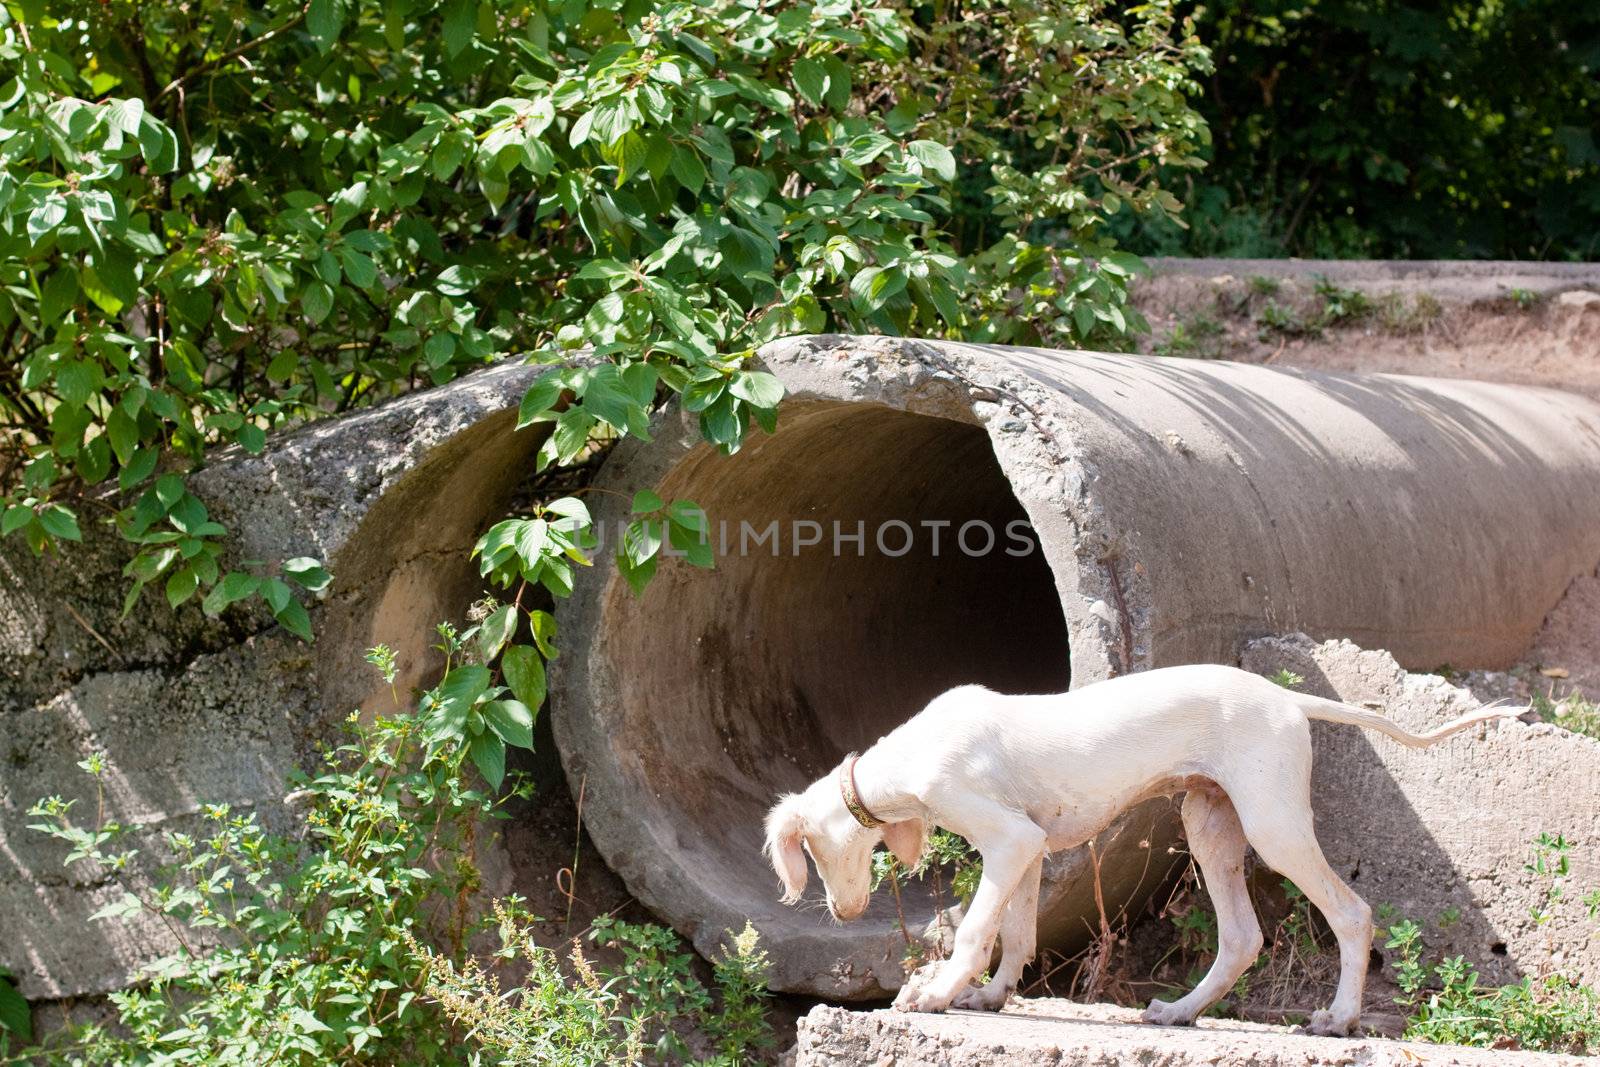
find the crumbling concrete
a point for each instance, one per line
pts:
(1058, 1033)
(1443, 836)
(190, 710)
(1180, 507)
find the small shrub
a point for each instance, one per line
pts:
(1549, 1014)
(1199, 338)
(1445, 1003)
(1397, 314)
(1287, 678)
(1340, 305)
(1280, 319)
(592, 1017)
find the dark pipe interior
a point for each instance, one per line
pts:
(758, 676)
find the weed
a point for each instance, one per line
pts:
(1571, 712)
(1445, 1003)
(1199, 338)
(1261, 285)
(1287, 678)
(346, 941)
(1277, 318)
(1340, 305)
(1399, 315)
(1552, 1014)
(1524, 299)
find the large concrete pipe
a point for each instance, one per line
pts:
(1180, 508)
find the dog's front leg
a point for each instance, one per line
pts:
(1010, 843)
(1019, 934)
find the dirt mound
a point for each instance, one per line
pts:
(1530, 324)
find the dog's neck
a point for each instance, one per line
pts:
(881, 786)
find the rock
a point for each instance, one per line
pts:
(1450, 829)
(1059, 1033)
(1578, 298)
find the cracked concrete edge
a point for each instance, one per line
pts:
(1056, 1033)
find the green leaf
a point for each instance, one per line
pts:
(181, 585)
(540, 398)
(543, 625)
(294, 618)
(645, 501)
(158, 144)
(638, 576)
(524, 673)
(758, 387)
(316, 301)
(462, 687)
(511, 721)
(934, 157)
(46, 217)
(324, 19)
(307, 573)
(234, 587)
(488, 752)
(16, 517)
(460, 25)
(811, 79)
(16, 1018)
(496, 631)
(60, 523)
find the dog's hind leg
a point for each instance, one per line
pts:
(1281, 830)
(1019, 935)
(1217, 842)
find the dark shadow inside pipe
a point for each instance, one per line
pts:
(740, 683)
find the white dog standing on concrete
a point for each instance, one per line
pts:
(1020, 776)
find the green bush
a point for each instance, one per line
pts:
(220, 218)
(347, 941)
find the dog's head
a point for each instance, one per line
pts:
(818, 823)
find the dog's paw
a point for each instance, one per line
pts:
(1160, 1013)
(1323, 1024)
(981, 998)
(921, 998)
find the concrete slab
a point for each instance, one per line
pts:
(1060, 1033)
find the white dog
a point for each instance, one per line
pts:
(1019, 776)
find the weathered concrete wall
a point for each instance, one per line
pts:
(1451, 828)
(1181, 507)
(1058, 1033)
(191, 710)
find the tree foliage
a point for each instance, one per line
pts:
(220, 218)
(1385, 129)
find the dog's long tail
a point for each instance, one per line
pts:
(1333, 711)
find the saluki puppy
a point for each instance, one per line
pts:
(1020, 776)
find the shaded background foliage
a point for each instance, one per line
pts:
(1392, 130)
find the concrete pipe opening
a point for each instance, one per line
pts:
(1181, 509)
(868, 559)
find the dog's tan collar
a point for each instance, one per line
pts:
(852, 796)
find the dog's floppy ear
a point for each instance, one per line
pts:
(786, 827)
(906, 839)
